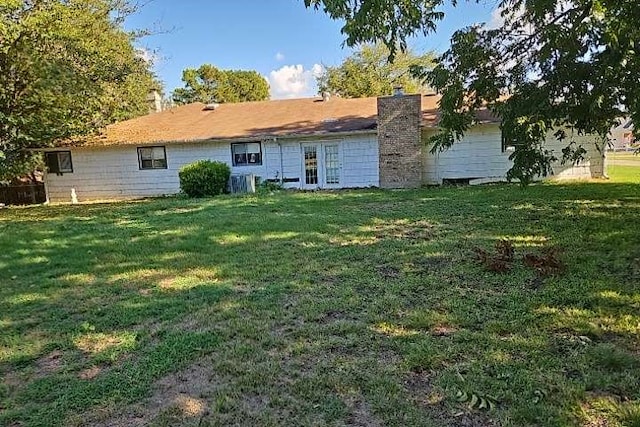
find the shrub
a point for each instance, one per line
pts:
(204, 178)
(269, 186)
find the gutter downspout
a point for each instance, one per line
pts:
(281, 162)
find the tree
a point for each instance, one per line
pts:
(368, 72)
(67, 68)
(567, 66)
(209, 84)
(388, 21)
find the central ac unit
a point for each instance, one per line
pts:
(242, 184)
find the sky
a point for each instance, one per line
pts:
(281, 39)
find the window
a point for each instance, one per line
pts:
(311, 165)
(152, 157)
(59, 162)
(331, 164)
(246, 154)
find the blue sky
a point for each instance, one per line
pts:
(281, 39)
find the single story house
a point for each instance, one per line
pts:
(315, 143)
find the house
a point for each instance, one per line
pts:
(302, 143)
(622, 136)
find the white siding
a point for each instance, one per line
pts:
(289, 166)
(479, 156)
(360, 162)
(359, 165)
(113, 172)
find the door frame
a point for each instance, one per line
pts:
(321, 159)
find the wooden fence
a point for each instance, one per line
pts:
(29, 194)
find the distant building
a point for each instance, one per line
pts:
(622, 136)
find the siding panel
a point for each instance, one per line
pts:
(479, 156)
(113, 172)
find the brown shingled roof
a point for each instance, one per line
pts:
(309, 116)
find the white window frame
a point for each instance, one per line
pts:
(157, 162)
(59, 162)
(247, 153)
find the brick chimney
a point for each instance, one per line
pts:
(399, 141)
(155, 101)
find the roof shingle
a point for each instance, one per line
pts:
(309, 116)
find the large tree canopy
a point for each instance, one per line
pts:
(368, 72)
(567, 66)
(210, 84)
(67, 68)
(387, 21)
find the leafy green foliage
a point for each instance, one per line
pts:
(368, 72)
(389, 21)
(267, 186)
(475, 400)
(571, 65)
(204, 178)
(67, 68)
(209, 84)
(568, 65)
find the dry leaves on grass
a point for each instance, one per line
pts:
(546, 263)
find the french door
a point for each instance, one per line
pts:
(321, 165)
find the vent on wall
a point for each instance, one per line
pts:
(239, 184)
(456, 181)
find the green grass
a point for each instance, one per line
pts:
(624, 174)
(347, 308)
(628, 156)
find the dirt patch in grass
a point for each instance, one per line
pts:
(333, 316)
(360, 413)
(443, 330)
(178, 398)
(49, 364)
(90, 373)
(388, 271)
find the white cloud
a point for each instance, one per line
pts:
(294, 81)
(149, 56)
(496, 18)
(279, 56)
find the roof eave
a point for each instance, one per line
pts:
(263, 137)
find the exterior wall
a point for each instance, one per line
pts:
(401, 162)
(360, 167)
(479, 157)
(113, 172)
(622, 136)
(359, 161)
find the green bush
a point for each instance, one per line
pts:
(204, 178)
(269, 187)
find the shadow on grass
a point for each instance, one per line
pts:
(378, 284)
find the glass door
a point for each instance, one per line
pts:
(321, 165)
(310, 166)
(331, 165)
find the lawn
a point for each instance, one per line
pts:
(349, 308)
(623, 156)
